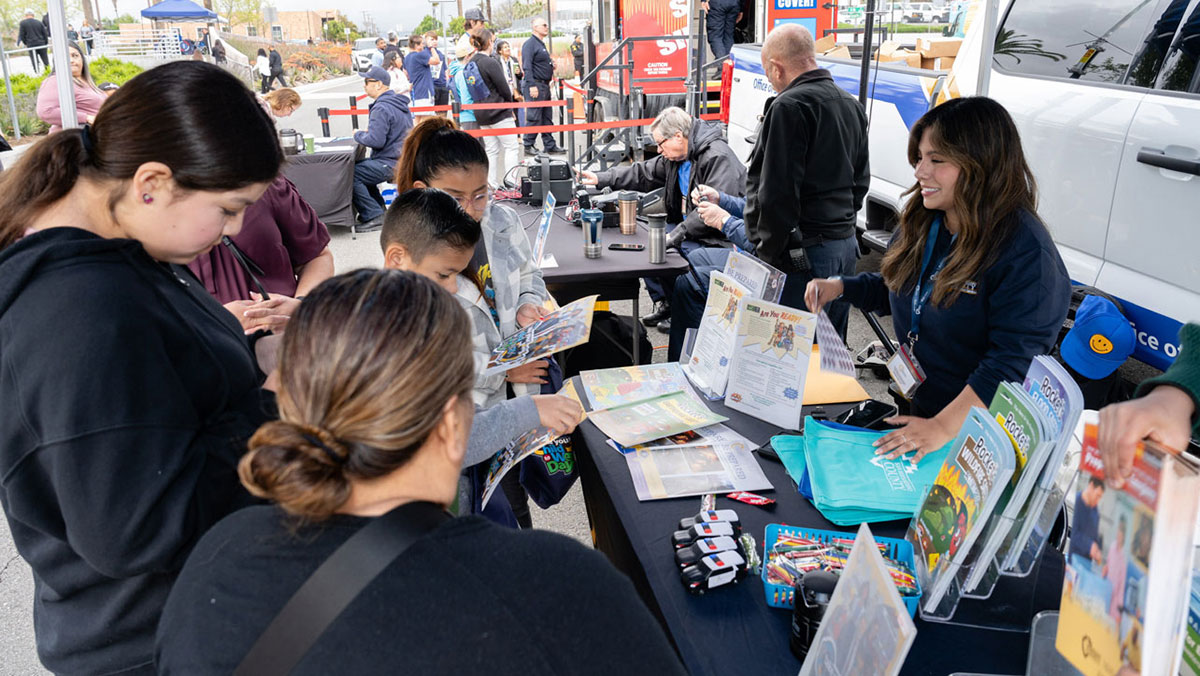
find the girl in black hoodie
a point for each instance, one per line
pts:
(128, 391)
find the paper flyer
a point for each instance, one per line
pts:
(835, 356)
(770, 362)
(866, 628)
(644, 421)
(695, 470)
(759, 279)
(713, 435)
(539, 246)
(607, 388)
(709, 364)
(569, 326)
(524, 446)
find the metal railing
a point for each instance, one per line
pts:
(154, 43)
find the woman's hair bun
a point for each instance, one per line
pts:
(298, 466)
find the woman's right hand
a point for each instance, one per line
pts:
(557, 413)
(533, 373)
(822, 291)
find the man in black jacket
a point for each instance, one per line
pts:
(33, 33)
(577, 55)
(691, 152)
(276, 63)
(539, 71)
(808, 172)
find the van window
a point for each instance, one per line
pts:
(1179, 72)
(1093, 40)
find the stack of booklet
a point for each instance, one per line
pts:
(673, 444)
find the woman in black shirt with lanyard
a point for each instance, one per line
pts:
(972, 279)
(128, 391)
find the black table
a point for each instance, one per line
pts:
(614, 275)
(326, 181)
(732, 630)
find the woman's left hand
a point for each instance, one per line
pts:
(270, 315)
(922, 435)
(528, 314)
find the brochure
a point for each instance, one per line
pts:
(1130, 548)
(607, 388)
(975, 472)
(713, 435)
(522, 447)
(708, 367)
(835, 356)
(663, 416)
(539, 246)
(695, 470)
(569, 326)
(770, 361)
(759, 279)
(1033, 438)
(866, 628)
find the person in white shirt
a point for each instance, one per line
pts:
(400, 83)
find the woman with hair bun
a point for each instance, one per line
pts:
(128, 391)
(375, 410)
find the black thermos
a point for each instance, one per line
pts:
(813, 591)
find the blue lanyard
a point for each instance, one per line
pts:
(921, 296)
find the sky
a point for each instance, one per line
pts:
(387, 13)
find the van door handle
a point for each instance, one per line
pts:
(1158, 158)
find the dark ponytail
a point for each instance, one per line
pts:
(153, 118)
(434, 145)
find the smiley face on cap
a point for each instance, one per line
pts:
(1100, 344)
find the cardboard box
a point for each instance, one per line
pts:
(887, 47)
(933, 48)
(910, 59)
(939, 63)
(839, 52)
(826, 43)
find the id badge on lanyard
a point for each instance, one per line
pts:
(904, 368)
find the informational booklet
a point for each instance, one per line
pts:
(708, 367)
(539, 246)
(607, 388)
(1058, 397)
(866, 629)
(1130, 553)
(835, 356)
(713, 435)
(695, 470)
(1033, 437)
(951, 516)
(522, 447)
(656, 418)
(770, 362)
(760, 280)
(571, 325)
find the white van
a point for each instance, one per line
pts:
(1107, 100)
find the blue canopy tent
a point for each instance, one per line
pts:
(178, 10)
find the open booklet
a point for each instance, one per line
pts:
(708, 365)
(651, 419)
(680, 471)
(866, 628)
(565, 328)
(606, 388)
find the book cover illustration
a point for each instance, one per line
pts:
(607, 388)
(565, 328)
(976, 470)
(866, 628)
(708, 366)
(770, 362)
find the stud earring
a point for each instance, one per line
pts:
(146, 198)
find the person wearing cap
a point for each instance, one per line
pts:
(1095, 347)
(577, 55)
(438, 67)
(1167, 411)
(473, 20)
(539, 71)
(464, 50)
(387, 124)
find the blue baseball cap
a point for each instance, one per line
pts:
(377, 73)
(1101, 340)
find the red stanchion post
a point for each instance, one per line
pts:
(561, 121)
(323, 115)
(571, 133)
(354, 106)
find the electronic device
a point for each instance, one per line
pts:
(556, 170)
(622, 246)
(869, 414)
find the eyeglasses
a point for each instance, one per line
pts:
(369, 81)
(474, 202)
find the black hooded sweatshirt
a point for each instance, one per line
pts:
(128, 396)
(713, 164)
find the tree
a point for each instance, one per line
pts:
(429, 23)
(238, 12)
(335, 30)
(458, 26)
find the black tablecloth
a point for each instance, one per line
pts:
(565, 241)
(326, 181)
(732, 630)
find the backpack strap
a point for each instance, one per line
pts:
(337, 582)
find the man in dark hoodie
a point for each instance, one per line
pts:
(691, 152)
(276, 63)
(387, 125)
(33, 33)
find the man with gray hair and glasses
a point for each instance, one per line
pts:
(691, 152)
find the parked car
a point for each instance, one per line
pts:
(363, 49)
(920, 12)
